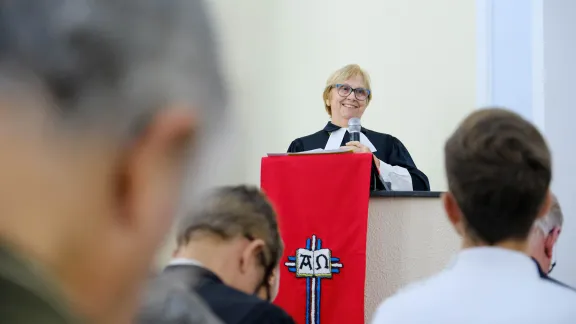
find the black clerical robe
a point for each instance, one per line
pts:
(389, 150)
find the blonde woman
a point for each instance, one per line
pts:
(347, 95)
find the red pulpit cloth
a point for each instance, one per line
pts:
(322, 203)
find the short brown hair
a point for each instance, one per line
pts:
(236, 211)
(499, 170)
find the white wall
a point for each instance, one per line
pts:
(420, 55)
(526, 53)
(509, 56)
(559, 24)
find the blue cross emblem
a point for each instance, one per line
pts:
(315, 264)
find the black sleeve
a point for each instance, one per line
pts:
(296, 146)
(267, 313)
(400, 156)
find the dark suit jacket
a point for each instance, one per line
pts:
(26, 295)
(230, 305)
(389, 149)
(169, 301)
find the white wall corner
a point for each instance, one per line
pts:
(484, 14)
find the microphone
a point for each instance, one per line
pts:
(354, 129)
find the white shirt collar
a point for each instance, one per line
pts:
(499, 259)
(185, 261)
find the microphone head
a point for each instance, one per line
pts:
(354, 124)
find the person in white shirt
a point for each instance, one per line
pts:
(499, 171)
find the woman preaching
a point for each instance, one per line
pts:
(347, 94)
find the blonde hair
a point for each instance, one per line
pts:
(340, 76)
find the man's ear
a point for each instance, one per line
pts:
(251, 255)
(453, 211)
(550, 241)
(150, 170)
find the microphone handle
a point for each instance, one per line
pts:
(355, 136)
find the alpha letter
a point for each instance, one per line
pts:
(305, 262)
(304, 267)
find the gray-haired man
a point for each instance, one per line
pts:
(99, 101)
(544, 236)
(228, 251)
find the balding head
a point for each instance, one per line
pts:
(100, 101)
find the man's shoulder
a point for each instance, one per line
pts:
(21, 305)
(233, 305)
(26, 295)
(169, 302)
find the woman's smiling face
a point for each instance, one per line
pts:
(353, 104)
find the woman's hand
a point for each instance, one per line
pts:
(358, 147)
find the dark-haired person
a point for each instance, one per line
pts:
(227, 253)
(499, 170)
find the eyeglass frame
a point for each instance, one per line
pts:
(339, 85)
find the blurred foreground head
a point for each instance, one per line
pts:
(103, 104)
(499, 170)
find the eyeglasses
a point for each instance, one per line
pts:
(344, 90)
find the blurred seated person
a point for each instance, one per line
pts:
(227, 254)
(347, 95)
(544, 236)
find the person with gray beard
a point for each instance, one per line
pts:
(101, 103)
(544, 235)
